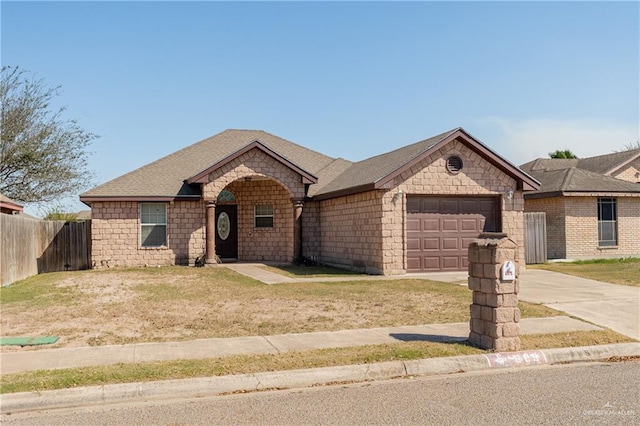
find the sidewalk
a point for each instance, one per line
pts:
(51, 359)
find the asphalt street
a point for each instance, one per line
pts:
(580, 394)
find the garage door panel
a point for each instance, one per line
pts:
(451, 244)
(447, 225)
(431, 263)
(450, 262)
(449, 207)
(430, 205)
(469, 224)
(431, 244)
(431, 224)
(413, 224)
(413, 244)
(414, 263)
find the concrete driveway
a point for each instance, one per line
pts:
(613, 306)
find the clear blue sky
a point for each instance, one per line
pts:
(348, 79)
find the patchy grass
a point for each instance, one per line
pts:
(183, 369)
(624, 271)
(572, 339)
(181, 303)
(316, 271)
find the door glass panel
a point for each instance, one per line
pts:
(224, 226)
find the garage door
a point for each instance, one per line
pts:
(440, 229)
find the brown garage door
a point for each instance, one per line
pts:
(440, 229)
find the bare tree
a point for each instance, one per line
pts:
(632, 146)
(43, 156)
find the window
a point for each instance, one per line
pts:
(607, 215)
(153, 224)
(264, 216)
(226, 196)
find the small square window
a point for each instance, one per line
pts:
(263, 216)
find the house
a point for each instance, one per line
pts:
(8, 206)
(592, 205)
(248, 195)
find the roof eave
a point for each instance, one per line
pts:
(344, 192)
(138, 198)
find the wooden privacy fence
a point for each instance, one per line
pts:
(30, 247)
(535, 238)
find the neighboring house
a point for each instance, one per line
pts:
(8, 206)
(248, 195)
(592, 204)
(83, 215)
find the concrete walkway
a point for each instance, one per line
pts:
(613, 306)
(51, 359)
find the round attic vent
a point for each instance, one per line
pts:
(454, 164)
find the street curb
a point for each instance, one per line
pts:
(217, 385)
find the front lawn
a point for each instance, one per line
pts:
(181, 303)
(615, 271)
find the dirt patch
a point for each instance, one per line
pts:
(178, 303)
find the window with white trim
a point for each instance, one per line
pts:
(153, 224)
(263, 217)
(607, 218)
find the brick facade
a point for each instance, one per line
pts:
(367, 231)
(364, 231)
(115, 235)
(572, 226)
(259, 244)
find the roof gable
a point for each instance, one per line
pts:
(202, 176)
(167, 178)
(592, 174)
(376, 172)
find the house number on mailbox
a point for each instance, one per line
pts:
(224, 226)
(508, 271)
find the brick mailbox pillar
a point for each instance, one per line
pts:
(493, 277)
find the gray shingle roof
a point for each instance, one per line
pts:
(580, 175)
(375, 168)
(165, 177)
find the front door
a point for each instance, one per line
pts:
(227, 232)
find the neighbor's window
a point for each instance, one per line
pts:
(264, 216)
(607, 215)
(153, 224)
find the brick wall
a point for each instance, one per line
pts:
(253, 163)
(582, 228)
(311, 230)
(572, 227)
(115, 235)
(430, 177)
(367, 231)
(258, 244)
(351, 232)
(554, 208)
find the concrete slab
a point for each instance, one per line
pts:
(549, 325)
(202, 348)
(613, 306)
(328, 339)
